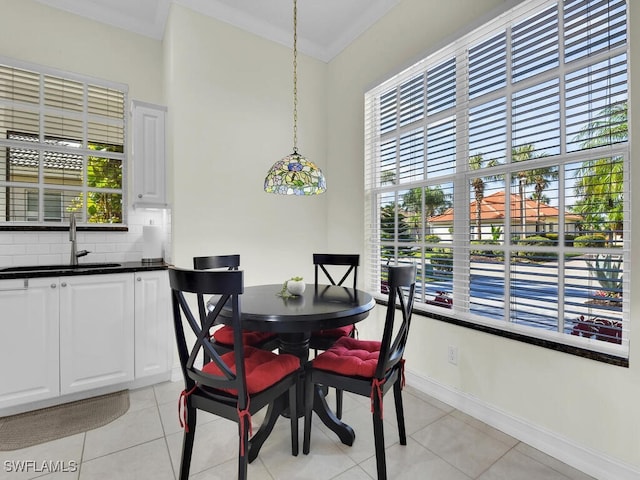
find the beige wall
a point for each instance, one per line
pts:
(75, 44)
(230, 102)
(582, 402)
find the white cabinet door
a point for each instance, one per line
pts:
(96, 331)
(152, 315)
(28, 340)
(149, 170)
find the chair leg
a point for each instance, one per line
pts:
(309, 388)
(293, 414)
(243, 446)
(397, 393)
(339, 396)
(273, 413)
(378, 434)
(187, 442)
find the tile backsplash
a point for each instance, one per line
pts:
(42, 247)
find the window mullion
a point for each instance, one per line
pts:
(460, 246)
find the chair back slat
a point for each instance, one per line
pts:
(230, 262)
(228, 285)
(352, 261)
(402, 285)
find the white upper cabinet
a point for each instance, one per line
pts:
(149, 163)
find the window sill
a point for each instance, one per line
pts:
(63, 228)
(539, 342)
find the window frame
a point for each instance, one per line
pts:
(459, 312)
(89, 121)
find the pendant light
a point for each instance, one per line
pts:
(294, 174)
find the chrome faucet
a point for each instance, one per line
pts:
(72, 238)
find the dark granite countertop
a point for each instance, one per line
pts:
(88, 268)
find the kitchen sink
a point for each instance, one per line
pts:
(40, 268)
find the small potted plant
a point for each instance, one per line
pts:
(295, 285)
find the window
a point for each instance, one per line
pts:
(500, 166)
(62, 147)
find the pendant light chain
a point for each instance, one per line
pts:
(295, 174)
(295, 76)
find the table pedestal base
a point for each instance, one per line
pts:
(344, 432)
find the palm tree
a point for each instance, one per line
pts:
(600, 182)
(434, 200)
(476, 163)
(388, 176)
(540, 177)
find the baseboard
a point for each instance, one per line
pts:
(589, 461)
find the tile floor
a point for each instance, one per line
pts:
(145, 443)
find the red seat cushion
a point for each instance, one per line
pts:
(262, 368)
(336, 332)
(350, 356)
(224, 335)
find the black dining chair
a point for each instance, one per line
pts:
(222, 337)
(369, 367)
(234, 385)
(346, 265)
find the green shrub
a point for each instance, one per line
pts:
(442, 260)
(590, 241)
(486, 253)
(431, 239)
(569, 239)
(537, 241)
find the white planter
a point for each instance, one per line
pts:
(296, 287)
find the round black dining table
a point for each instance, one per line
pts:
(320, 307)
(295, 318)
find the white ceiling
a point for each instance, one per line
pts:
(325, 27)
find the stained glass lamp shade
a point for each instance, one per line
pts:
(294, 175)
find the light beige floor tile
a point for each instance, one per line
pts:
(67, 451)
(142, 398)
(462, 445)
(555, 464)
(483, 427)
(171, 420)
(229, 470)
(324, 462)
(413, 461)
(133, 428)
(517, 466)
(168, 392)
(146, 461)
(215, 443)
(355, 473)
(65, 473)
(417, 413)
(361, 421)
(429, 399)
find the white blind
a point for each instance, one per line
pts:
(62, 146)
(500, 166)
